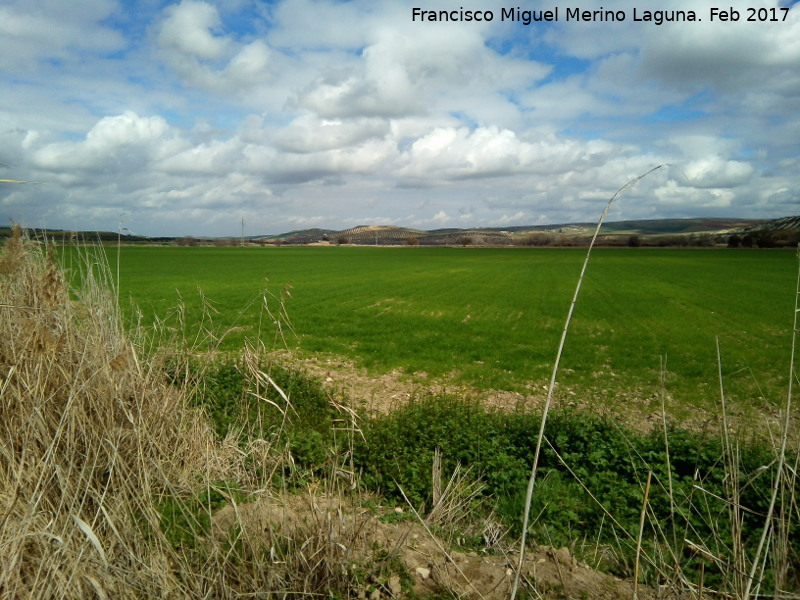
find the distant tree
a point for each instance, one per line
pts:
(342, 241)
(734, 241)
(765, 239)
(748, 241)
(186, 240)
(412, 241)
(465, 240)
(672, 240)
(634, 241)
(786, 238)
(566, 241)
(702, 241)
(538, 239)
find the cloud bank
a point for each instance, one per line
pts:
(185, 117)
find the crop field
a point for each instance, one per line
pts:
(492, 318)
(201, 473)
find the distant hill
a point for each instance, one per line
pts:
(784, 224)
(662, 226)
(783, 232)
(696, 231)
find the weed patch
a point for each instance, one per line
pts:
(594, 474)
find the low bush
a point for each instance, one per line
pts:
(594, 475)
(236, 401)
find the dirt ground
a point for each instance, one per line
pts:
(381, 393)
(384, 392)
(638, 409)
(433, 563)
(355, 531)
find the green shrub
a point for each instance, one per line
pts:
(399, 448)
(228, 393)
(610, 462)
(184, 520)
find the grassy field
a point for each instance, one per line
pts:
(189, 478)
(491, 318)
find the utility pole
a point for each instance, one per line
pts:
(242, 232)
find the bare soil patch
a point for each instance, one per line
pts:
(381, 393)
(635, 408)
(347, 531)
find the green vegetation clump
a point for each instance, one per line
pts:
(230, 393)
(594, 475)
(184, 520)
(264, 401)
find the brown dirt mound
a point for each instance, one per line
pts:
(406, 556)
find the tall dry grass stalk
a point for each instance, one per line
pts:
(16, 180)
(91, 437)
(554, 377)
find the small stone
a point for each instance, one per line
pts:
(563, 556)
(422, 572)
(394, 585)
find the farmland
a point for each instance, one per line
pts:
(491, 318)
(168, 472)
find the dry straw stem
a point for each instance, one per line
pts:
(17, 180)
(781, 471)
(639, 538)
(453, 504)
(554, 376)
(731, 454)
(438, 543)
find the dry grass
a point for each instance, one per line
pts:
(110, 481)
(90, 436)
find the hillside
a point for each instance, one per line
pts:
(782, 232)
(655, 232)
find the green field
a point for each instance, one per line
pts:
(491, 318)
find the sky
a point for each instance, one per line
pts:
(191, 117)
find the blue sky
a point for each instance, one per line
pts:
(176, 118)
